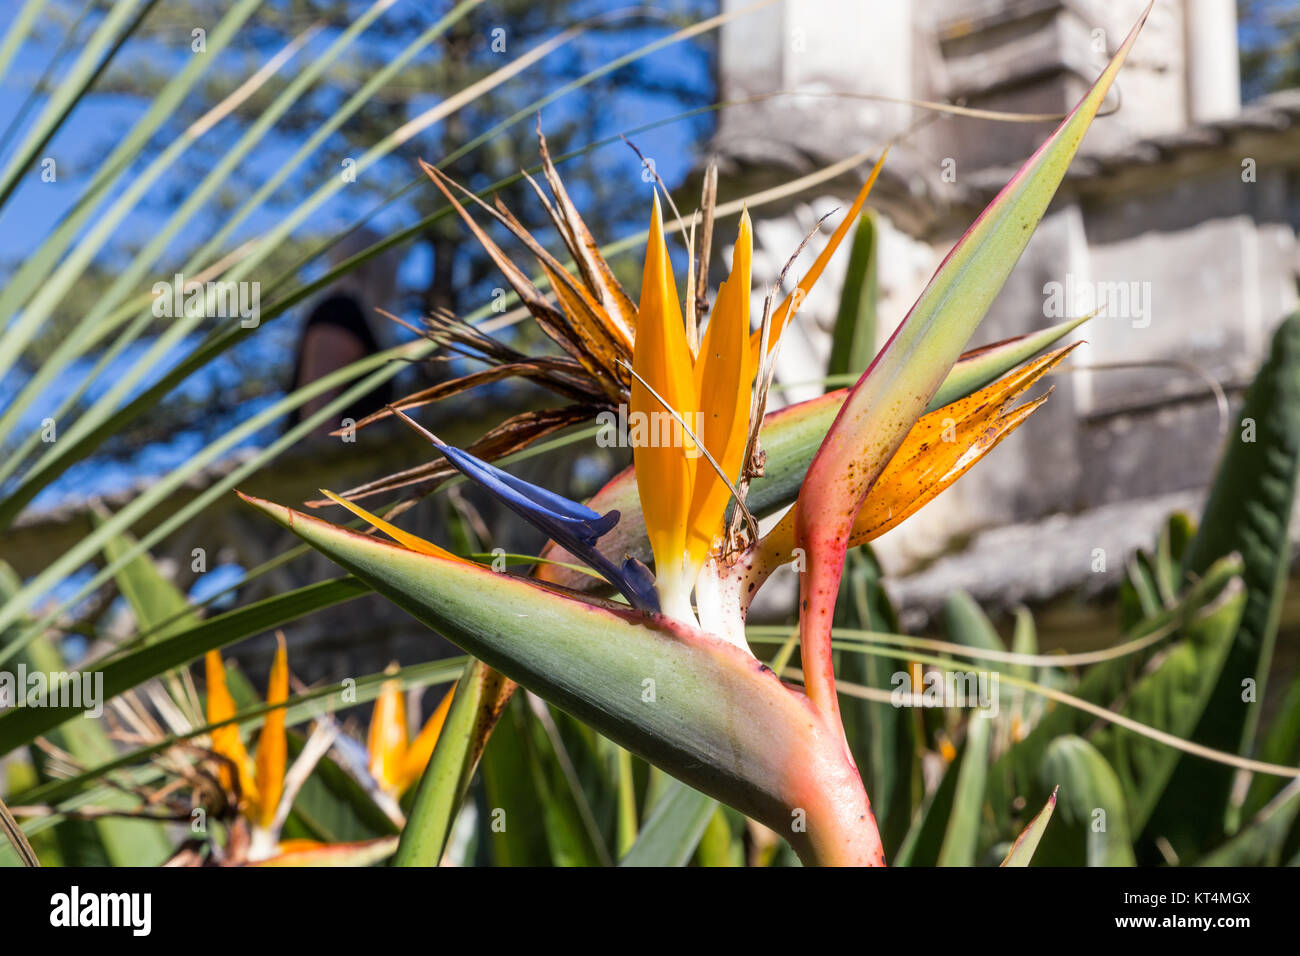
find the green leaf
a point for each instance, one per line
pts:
(924, 840)
(853, 342)
(1024, 640)
(509, 789)
(1170, 547)
(1092, 820)
(965, 623)
(1172, 698)
(719, 846)
(673, 829)
(1142, 578)
(1248, 512)
(961, 837)
(627, 823)
(1280, 745)
(1022, 851)
(18, 30)
(701, 708)
(24, 724)
(447, 777)
(160, 608)
(571, 827)
(1261, 841)
(883, 738)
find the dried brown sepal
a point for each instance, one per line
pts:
(599, 277)
(543, 371)
(551, 320)
(512, 435)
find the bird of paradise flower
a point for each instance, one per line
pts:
(725, 723)
(255, 789)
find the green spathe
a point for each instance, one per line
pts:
(702, 709)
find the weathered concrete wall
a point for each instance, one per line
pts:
(1179, 220)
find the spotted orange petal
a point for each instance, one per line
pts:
(941, 447)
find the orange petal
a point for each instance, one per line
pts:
(272, 748)
(314, 853)
(902, 491)
(387, 739)
(299, 845)
(409, 541)
(781, 317)
(724, 374)
(226, 741)
(941, 447)
(421, 749)
(664, 472)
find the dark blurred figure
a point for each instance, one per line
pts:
(336, 334)
(339, 330)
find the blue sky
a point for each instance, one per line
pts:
(99, 120)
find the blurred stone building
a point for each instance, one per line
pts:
(1179, 216)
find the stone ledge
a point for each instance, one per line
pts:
(1272, 117)
(1034, 563)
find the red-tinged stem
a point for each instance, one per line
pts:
(824, 549)
(836, 826)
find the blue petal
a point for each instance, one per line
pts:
(573, 525)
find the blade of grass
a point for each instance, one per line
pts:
(962, 834)
(22, 724)
(194, 316)
(83, 336)
(17, 33)
(34, 276)
(627, 824)
(117, 23)
(14, 834)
